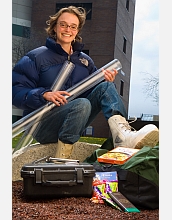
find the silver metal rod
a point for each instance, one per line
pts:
(89, 82)
(92, 80)
(63, 75)
(61, 160)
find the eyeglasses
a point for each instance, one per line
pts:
(73, 27)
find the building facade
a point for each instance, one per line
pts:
(21, 26)
(107, 35)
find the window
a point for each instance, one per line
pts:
(20, 31)
(122, 88)
(124, 45)
(127, 5)
(86, 6)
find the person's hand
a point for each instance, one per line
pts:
(110, 75)
(57, 97)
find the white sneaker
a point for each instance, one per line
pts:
(123, 134)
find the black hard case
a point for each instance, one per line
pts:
(49, 178)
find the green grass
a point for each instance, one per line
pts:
(91, 140)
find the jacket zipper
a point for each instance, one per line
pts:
(69, 80)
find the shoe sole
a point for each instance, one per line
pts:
(150, 140)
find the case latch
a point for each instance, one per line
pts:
(80, 176)
(38, 175)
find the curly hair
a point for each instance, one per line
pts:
(78, 11)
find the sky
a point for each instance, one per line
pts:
(145, 57)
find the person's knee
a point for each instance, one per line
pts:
(106, 85)
(84, 106)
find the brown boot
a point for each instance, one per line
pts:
(63, 150)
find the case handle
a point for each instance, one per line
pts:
(79, 177)
(58, 183)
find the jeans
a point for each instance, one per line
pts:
(67, 122)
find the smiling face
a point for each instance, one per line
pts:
(66, 29)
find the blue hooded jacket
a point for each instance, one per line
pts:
(34, 73)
